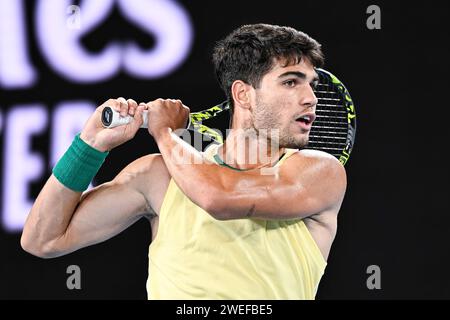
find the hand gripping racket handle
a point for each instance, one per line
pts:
(111, 118)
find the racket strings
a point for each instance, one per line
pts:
(330, 129)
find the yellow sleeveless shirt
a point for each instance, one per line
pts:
(195, 256)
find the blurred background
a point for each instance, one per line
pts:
(59, 59)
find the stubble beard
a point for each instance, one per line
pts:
(267, 122)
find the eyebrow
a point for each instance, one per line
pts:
(298, 74)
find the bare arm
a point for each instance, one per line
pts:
(62, 220)
(309, 183)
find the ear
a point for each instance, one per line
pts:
(241, 92)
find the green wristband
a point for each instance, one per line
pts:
(79, 165)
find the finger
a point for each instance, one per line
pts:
(123, 106)
(144, 106)
(158, 102)
(138, 117)
(151, 103)
(112, 103)
(132, 105)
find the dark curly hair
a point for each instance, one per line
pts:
(250, 51)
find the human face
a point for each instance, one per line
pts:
(285, 100)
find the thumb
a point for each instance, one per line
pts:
(138, 117)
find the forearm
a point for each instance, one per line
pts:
(54, 207)
(223, 193)
(196, 176)
(50, 215)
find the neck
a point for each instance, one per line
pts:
(245, 149)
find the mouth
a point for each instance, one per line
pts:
(306, 120)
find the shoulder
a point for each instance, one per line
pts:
(151, 165)
(318, 170)
(314, 155)
(316, 160)
(148, 163)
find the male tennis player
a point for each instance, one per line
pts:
(222, 228)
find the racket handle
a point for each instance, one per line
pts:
(111, 118)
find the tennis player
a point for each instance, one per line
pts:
(223, 227)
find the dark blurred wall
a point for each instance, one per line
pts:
(393, 215)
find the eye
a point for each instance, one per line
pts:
(314, 84)
(290, 83)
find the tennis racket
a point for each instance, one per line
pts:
(333, 131)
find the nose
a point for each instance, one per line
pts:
(309, 98)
